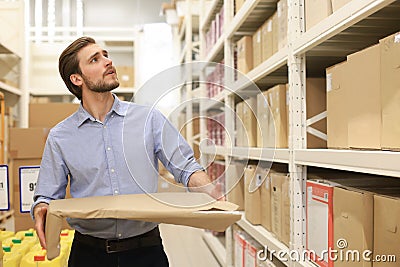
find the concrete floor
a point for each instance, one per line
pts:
(186, 247)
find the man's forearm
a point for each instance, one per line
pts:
(200, 182)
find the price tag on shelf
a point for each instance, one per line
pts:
(4, 188)
(27, 182)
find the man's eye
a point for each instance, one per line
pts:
(93, 60)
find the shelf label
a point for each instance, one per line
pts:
(328, 82)
(397, 38)
(27, 183)
(287, 97)
(4, 188)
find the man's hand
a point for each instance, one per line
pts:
(200, 182)
(40, 213)
(218, 192)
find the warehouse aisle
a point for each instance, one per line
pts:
(185, 247)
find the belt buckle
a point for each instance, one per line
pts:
(108, 247)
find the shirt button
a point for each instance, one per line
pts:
(119, 235)
(116, 191)
(105, 127)
(108, 148)
(112, 170)
(112, 116)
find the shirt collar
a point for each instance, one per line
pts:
(119, 107)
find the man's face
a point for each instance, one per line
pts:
(98, 73)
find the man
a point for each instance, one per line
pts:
(90, 147)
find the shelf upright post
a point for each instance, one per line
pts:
(297, 126)
(229, 101)
(188, 69)
(24, 98)
(202, 111)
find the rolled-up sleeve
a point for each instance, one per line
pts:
(173, 150)
(53, 175)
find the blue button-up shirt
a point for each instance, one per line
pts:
(117, 156)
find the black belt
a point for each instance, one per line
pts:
(149, 239)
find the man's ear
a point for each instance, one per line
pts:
(76, 79)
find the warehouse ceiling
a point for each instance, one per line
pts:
(98, 13)
(122, 13)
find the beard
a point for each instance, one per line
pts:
(101, 86)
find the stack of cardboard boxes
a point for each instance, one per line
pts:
(317, 10)
(266, 41)
(264, 121)
(367, 226)
(26, 147)
(263, 193)
(266, 201)
(371, 77)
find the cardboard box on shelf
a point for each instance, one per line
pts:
(337, 84)
(390, 93)
(364, 115)
(126, 76)
(266, 214)
(240, 249)
(245, 54)
(279, 123)
(275, 31)
(39, 100)
(332, 222)
(316, 104)
(264, 139)
(319, 221)
(238, 5)
(282, 11)
(257, 47)
(316, 10)
(386, 228)
(50, 114)
(337, 4)
(251, 257)
(250, 122)
(352, 223)
(252, 196)
(27, 143)
(240, 130)
(235, 184)
(280, 206)
(267, 39)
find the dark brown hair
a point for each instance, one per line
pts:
(68, 63)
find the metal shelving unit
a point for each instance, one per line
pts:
(371, 162)
(13, 59)
(216, 247)
(217, 52)
(256, 153)
(359, 24)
